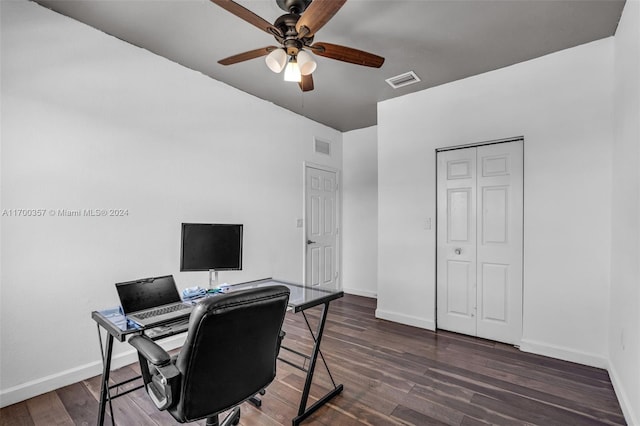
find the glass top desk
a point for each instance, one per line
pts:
(301, 297)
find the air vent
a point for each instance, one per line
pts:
(322, 147)
(403, 80)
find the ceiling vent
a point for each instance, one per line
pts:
(403, 80)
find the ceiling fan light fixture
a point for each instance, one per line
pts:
(292, 71)
(306, 63)
(295, 31)
(276, 60)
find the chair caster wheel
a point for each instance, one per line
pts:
(256, 401)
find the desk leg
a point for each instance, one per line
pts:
(106, 369)
(303, 412)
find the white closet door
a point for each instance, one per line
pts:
(491, 271)
(499, 242)
(456, 258)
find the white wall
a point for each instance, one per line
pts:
(562, 105)
(624, 328)
(360, 212)
(90, 122)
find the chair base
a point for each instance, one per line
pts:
(232, 419)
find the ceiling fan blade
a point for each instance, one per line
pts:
(316, 16)
(347, 54)
(245, 56)
(247, 15)
(306, 84)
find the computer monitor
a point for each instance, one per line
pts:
(211, 247)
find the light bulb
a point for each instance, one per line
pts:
(292, 72)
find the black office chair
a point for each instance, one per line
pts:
(229, 355)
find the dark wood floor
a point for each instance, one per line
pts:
(392, 374)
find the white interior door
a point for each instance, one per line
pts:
(499, 248)
(321, 220)
(480, 213)
(456, 254)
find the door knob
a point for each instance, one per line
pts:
(458, 251)
(310, 242)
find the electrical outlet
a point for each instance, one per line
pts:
(299, 223)
(427, 223)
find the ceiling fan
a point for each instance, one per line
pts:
(295, 31)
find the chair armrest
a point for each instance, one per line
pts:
(163, 388)
(150, 350)
(163, 382)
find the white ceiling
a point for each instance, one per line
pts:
(441, 41)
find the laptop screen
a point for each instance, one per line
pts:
(147, 293)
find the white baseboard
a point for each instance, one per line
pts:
(623, 398)
(363, 293)
(563, 353)
(49, 383)
(406, 319)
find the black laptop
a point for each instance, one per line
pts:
(152, 301)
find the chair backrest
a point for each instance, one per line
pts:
(230, 351)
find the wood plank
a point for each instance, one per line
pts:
(16, 415)
(47, 409)
(407, 415)
(127, 412)
(79, 402)
(461, 400)
(93, 386)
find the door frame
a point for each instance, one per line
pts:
(309, 165)
(475, 145)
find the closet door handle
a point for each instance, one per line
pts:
(458, 251)
(310, 242)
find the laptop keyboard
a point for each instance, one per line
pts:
(161, 311)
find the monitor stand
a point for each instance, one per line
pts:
(213, 277)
